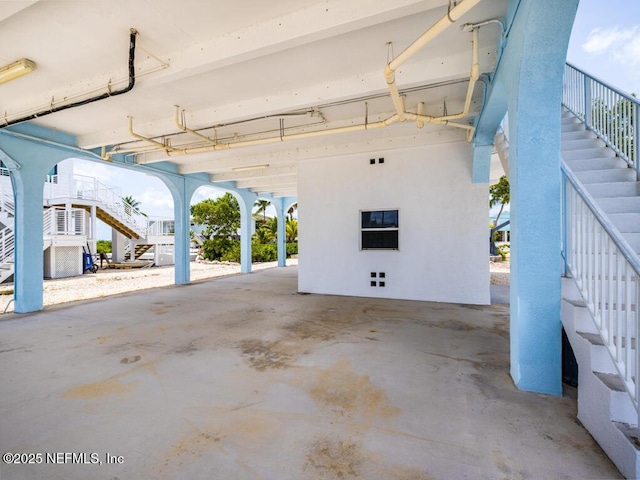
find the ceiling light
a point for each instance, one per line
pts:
(16, 69)
(250, 167)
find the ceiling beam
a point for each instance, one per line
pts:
(270, 182)
(259, 173)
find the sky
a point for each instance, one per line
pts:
(605, 42)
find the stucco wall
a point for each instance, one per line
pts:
(443, 220)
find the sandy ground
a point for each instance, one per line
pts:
(500, 273)
(113, 282)
(108, 282)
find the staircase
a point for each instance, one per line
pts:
(601, 247)
(82, 195)
(139, 250)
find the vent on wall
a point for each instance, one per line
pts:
(378, 276)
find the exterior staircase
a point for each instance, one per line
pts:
(64, 216)
(139, 250)
(601, 248)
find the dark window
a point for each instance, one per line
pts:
(379, 230)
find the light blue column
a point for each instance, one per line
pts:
(481, 163)
(534, 72)
(281, 214)
(246, 199)
(28, 184)
(28, 174)
(182, 189)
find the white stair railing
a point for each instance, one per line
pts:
(606, 271)
(89, 188)
(7, 245)
(604, 266)
(61, 221)
(160, 226)
(611, 114)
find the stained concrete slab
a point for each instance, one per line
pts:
(243, 378)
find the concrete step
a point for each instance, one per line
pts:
(621, 407)
(572, 127)
(600, 359)
(570, 119)
(633, 239)
(585, 153)
(607, 176)
(606, 163)
(581, 144)
(619, 204)
(615, 189)
(626, 222)
(604, 407)
(577, 135)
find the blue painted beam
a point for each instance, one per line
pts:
(481, 163)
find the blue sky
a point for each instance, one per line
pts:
(605, 42)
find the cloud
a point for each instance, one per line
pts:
(104, 173)
(613, 39)
(154, 200)
(205, 192)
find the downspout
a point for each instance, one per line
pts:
(109, 93)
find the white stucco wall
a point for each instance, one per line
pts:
(443, 234)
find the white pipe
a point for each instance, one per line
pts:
(436, 29)
(473, 78)
(401, 114)
(185, 129)
(420, 110)
(169, 150)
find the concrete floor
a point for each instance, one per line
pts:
(242, 378)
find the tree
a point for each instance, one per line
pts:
(615, 122)
(221, 217)
(292, 209)
(498, 194)
(262, 208)
(132, 205)
(292, 230)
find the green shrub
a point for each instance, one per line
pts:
(232, 254)
(227, 250)
(292, 249)
(216, 248)
(103, 246)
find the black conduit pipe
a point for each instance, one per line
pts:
(129, 87)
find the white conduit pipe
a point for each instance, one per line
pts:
(436, 29)
(261, 141)
(401, 114)
(185, 129)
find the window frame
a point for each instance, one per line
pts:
(392, 228)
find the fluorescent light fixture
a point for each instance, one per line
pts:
(16, 69)
(250, 167)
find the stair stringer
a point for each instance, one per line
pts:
(607, 413)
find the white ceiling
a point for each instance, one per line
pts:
(228, 62)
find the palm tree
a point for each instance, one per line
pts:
(262, 208)
(292, 209)
(132, 205)
(292, 230)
